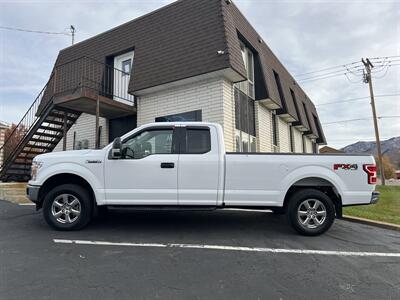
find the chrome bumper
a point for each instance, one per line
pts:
(374, 197)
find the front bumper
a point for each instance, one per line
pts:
(32, 191)
(374, 197)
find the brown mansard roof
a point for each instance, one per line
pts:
(181, 40)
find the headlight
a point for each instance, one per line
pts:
(36, 165)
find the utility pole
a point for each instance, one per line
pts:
(368, 79)
(72, 29)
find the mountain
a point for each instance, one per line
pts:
(390, 147)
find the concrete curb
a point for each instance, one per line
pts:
(371, 222)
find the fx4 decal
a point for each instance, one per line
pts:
(350, 167)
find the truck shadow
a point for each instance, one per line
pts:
(228, 223)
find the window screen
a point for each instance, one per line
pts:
(198, 141)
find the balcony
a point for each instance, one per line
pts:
(81, 84)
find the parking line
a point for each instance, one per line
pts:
(228, 248)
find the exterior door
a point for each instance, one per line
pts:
(122, 72)
(146, 173)
(199, 167)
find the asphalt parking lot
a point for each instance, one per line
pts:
(193, 255)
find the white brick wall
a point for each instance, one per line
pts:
(308, 145)
(229, 115)
(85, 128)
(263, 119)
(213, 96)
(283, 136)
(298, 140)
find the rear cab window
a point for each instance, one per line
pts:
(198, 141)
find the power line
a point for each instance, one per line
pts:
(344, 73)
(34, 31)
(327, 69)
(369, 139)
(384, 57)
(359, 119)
(355, 68)
(356, 99)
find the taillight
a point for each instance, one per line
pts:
(371, 172)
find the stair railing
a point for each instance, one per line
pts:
(20, 131)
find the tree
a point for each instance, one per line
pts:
(388, 167)
(12, 137)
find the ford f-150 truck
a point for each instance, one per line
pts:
(184, 165)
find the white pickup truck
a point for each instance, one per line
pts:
(185, 166)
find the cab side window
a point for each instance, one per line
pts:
(198, 141)
(149, 142)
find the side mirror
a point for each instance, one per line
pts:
(116, 148)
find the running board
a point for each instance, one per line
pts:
(162, 207)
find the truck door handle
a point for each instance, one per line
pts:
(167, 165)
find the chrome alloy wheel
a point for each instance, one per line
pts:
(66, 208)
(311, 213)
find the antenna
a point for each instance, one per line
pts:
(72, 29)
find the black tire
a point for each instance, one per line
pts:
(84, 205)
(313, 222)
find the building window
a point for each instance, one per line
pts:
(190, 116)
(314, 147)
(296, 105)
(307, 118)
(244, 106)
(274, 130)
(244, 123)
(280, 90)
(291, 139)
(247, 86)
(126, 67)
(245, 142)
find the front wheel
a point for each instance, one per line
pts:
(311, 212)
(67, 207)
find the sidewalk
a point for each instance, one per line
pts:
(14, 192)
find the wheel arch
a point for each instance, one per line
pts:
(65, 178)
(318, 183)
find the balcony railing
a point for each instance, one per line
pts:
(89, 73)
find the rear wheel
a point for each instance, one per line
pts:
(67, 207)
(311, 212)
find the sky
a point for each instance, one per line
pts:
(305, 35)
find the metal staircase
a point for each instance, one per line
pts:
(39, 131)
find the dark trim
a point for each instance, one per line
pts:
(308, 119)
(296, 107)
(291, 138)
(275, 131)
(284, 109)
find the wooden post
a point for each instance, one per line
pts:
(97, 122)
(65, 131)
(368, 79)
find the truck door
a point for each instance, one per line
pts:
(199, 166)
(146, 173)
